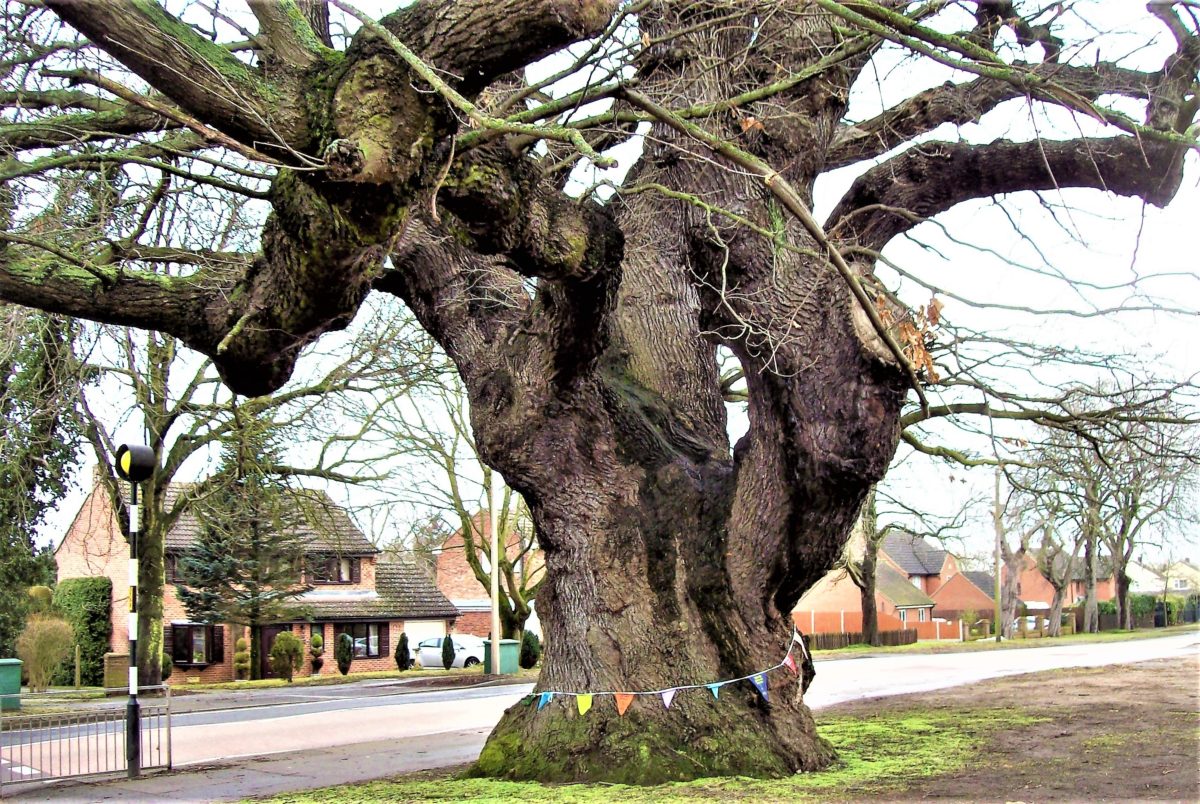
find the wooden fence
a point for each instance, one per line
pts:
(904, 636)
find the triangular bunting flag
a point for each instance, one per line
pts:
(759, 680)
(544, 699)
(584, 702)
(790, 664)
(667, 695)
(715, 689)
(623, 701)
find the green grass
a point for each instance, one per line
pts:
(930, 646)
(885, 753)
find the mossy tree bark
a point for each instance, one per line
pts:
(587, 336)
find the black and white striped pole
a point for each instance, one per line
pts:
(135, 463)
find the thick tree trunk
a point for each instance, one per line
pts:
(642, 595)
(1091, 608)
(1124, 612)
(1056, 611)
(1010, 592)
(151, 576)
(866, 590)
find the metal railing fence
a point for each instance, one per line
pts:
(58, 735)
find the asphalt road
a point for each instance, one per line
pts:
(337, 735)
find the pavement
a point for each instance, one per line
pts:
(278, 773)
(250, 768)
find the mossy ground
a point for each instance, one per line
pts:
(1110, 733)
(892, 751)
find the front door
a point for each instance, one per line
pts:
(267, 634)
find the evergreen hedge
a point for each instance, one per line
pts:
(403, 657)
(531, 650)
(86, 604)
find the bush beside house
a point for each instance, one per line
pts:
(85, 604)
(343, 653)
(43, 646)
(403, 657)
(287, 654)
(531, 650)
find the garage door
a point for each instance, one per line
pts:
(418, 630)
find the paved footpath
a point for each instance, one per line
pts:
(243, 769)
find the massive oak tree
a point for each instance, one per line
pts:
(417, 158)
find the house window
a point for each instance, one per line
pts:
(170, 567)
(334, 569)
(916, 581)
(370, 639)
(902, 614)
(194, 644)
(923, 615)
(1180, 583)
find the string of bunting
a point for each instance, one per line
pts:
(583, 700)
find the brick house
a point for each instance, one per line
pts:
(353, 592)
(926, 567)
(964, 592)
(834, 604)
(908, 573)
(1037, 592)
(456, 580)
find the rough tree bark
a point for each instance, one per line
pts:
(586, 336)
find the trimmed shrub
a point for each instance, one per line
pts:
(287, 654)
(1106, 607)
(316, 647)
(447, 651)
(86, 604)
(168, 667)
(43, 646)
(531, 650)
(403, 657)
(241, 659)
(343, 653)
(40, 599)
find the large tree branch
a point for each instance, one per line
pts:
(201, 76)
(964, 103)
(509, 209)
(928, 179)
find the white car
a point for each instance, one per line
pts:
(468, 651)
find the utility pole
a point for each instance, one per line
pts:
(494, 516)
(135, 463)
(998, 523)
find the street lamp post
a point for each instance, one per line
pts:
(135, 463)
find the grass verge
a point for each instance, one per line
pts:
(887, 752)
(930, 646)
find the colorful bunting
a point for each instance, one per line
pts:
(583, 700)
(799, 639)
(623, 701)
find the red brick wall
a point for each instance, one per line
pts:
(454, 575)
(476, 623)
(957, 595)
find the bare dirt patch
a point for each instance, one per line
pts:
(1116, 733)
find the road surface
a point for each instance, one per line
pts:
(416, 731)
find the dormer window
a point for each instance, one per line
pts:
(335, 569)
